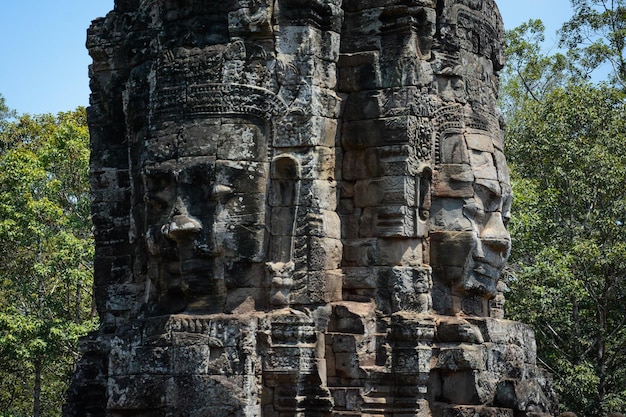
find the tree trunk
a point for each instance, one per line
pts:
(601, 347)
(576, 331)
(37, 389)
(78, 301)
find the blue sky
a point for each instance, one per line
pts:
(43, 60)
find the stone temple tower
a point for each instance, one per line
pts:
(300, 210)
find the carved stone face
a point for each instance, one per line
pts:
(205, 214)
(471, 206)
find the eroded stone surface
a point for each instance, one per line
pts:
(300, 209)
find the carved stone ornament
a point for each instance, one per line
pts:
(300, 209)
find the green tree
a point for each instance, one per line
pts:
(5, 115)
(46, 248)
(567, 151)
(596, 35)
(530, 73)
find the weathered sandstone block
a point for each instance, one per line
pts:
(300, 209)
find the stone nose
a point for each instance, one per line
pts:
(181, 225)
(495, 235)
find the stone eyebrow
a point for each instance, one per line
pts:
(493, 187)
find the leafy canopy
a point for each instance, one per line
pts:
(596, 35)
(47, 249)
(567, 151)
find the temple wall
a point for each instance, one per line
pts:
(300, 209)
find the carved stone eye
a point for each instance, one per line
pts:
(198, 174)
(488, 195)
(474, 212)
(155, 200)
(159, 188)
(156, 180)
(221, 192)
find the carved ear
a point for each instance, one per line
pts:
(283, 201)
(423, 188)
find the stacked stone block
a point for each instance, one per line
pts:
(299, 210)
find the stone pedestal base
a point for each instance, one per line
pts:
(343, 360)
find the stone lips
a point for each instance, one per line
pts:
(300, 210)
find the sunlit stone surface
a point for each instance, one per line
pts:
(300, 209)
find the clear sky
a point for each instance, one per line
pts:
(43, 60)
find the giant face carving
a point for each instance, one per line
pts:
(469, 240)
(204, 196)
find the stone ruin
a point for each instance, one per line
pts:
(300, 209)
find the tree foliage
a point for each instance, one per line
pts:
(596, 35)
(46, 248)
(530, 73)
(567, 151)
